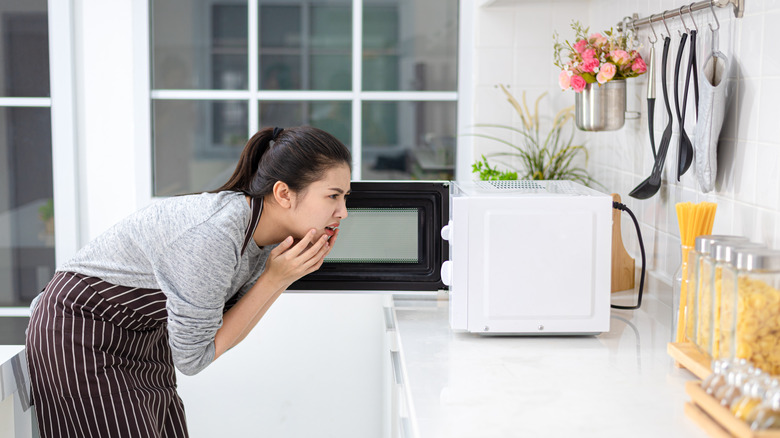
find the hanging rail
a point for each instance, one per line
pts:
(739, 10)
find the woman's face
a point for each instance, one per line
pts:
(322, 205)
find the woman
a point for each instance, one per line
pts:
(178, 284)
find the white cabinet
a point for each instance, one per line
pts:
(396, 419)
(311, 368)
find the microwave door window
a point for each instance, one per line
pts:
(378, 235)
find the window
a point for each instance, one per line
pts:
(379, 75)
(26, 187)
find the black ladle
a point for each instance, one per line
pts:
(685, 157)
(650, 186)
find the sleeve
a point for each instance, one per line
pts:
(195, 272)
(259, 268)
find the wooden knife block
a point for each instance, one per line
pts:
(622, 263)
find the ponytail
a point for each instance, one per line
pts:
(241, 179)
(297, 156)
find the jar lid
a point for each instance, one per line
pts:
(757, 259)
(724, 251)
(703, 243)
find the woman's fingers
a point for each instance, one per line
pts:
(303, 243)
(282, 247)
(315, 247)
(316, 261)
(332, 240)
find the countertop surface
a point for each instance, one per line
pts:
(619, 383)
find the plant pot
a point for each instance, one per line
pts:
(601, 107)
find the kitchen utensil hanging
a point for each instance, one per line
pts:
(713, 106)
(683, 141)
(693, 64)
(684, 147)
(650, 186)
(651, 89)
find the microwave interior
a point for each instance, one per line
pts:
(390, 239)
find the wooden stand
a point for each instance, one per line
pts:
(622, 263)
(717, 420)
(689, 357)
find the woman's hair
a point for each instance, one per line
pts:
(298, 156)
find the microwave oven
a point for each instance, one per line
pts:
(516, 257)
(528, 257)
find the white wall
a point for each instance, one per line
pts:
(514, 46)
(111, 170)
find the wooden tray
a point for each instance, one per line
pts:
(720, 416)
(706, 422)
(689, 357)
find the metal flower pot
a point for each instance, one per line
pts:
(601, 107)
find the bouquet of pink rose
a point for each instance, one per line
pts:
(596, 58)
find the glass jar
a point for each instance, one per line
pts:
(767, 414)
(750, 311)
(681, 290)
(753, 390)
(737, 373)
(700, 295)
(718, 377)
(736, 384)
(722, 255)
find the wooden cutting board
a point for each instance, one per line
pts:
(622, 263)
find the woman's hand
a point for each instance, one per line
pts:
(291, 260)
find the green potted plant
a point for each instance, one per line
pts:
(543, 156)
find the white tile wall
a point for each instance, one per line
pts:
(514, 46)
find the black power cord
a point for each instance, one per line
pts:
(622, 207)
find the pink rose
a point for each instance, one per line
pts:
(588, 54)
(598, 39)
(606, 72)
(578, 83)
(580, 45)
(620, 57)
(589, 65)
(564, 80)
(639, 65)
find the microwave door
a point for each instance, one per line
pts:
(389, 241)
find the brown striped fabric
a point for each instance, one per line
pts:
(100, 363)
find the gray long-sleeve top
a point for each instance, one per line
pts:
(190, 248)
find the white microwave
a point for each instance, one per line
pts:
(528, 257)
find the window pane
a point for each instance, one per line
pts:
(305, 46)
(335, 117)
(196, 144)
(280, 72)
(26, 206)
(409, 140)
(410, 45)
(331, 72)
(202, 46)
(24, 49)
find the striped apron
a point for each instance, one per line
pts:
(100, 363)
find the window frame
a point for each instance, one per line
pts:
(61, 103)
(253, 96)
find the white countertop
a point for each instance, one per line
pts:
(620, 383)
